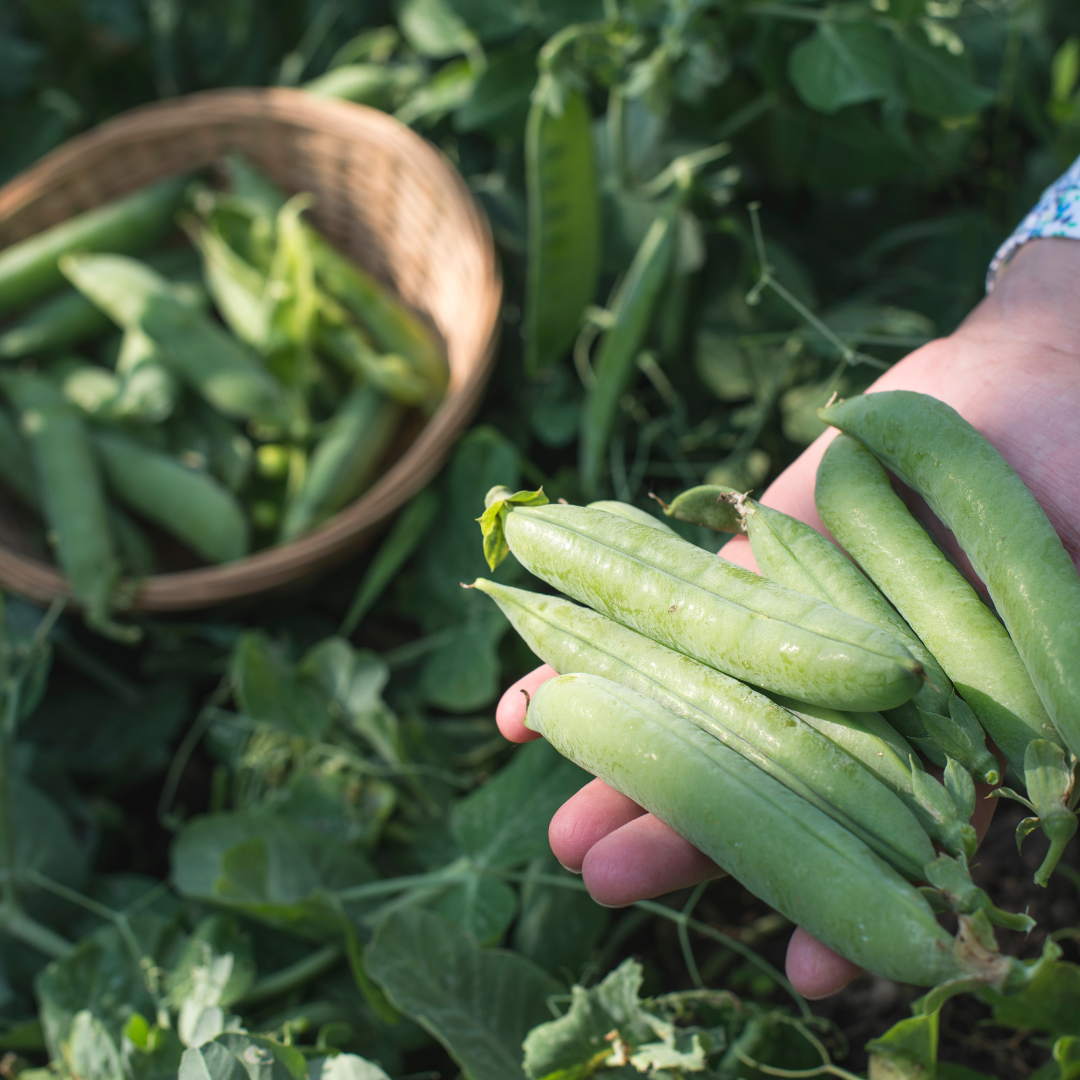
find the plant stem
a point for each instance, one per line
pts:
(288, 978)
(17, 924)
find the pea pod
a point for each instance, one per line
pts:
(620, 344)
(68, 317)
(573, 638)
(16, 464)
(873, 742)
(338, 336)
(785, 851)
(193, 347)
(237, 287)
(72, 494)
(148, 390)
(860, 508)
(186, 503)
(703, 606)
(395, 328)
(632, 513)
(344, 461)
(706, 505)
(564, 231)
(791, 552)
(29, 269)
(999, 525)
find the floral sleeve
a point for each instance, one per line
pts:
(1057, 213)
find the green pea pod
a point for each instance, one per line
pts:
(148, 391)
(573, 638)
(193, 347)
(392, 324)
(89, 387)
(794, 554)
(186, 503)
(705, 607)
(57, 323)
(67, 318)
(873, 742)
(867, 517)
(632, 513)
(30, 269)
(237, 287)
(344, 342)
(705, 505)
(394, 328)
(620, 344)
(785, 851)
(205, 440)
(72, 495)
(564, 224)
(998, 524)
(344, 461)
(16, 464)
(136, 551)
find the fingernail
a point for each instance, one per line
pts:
(570, 869)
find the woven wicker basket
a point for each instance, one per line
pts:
(385, 196)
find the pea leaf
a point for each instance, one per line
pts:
(1050, 1002)
(268, 867)
(908, 1049)
(87, 998)
(463, 675)
(345, 1067)
(268, 688)
(582, 1032)
(844, 63)
(482, 906)
(557, 927)
(936, 82)
(479, 1003)
(504, 823)
(44, 843)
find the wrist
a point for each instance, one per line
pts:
(1035, 302)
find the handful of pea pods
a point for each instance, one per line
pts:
(232, 387)
(779, 721)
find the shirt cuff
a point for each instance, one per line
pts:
(1057, 213)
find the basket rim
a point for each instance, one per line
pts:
(346, 531)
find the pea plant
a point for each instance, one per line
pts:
(288, 840)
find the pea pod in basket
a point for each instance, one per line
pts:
(700, 605)
(785, 851)
(193, 347)
(864, 513)
(72, 495)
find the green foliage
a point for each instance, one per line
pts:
(480, 1003)
(354, 848)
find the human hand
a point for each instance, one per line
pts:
(1013, 370)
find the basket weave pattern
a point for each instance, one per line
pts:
(384, 196)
